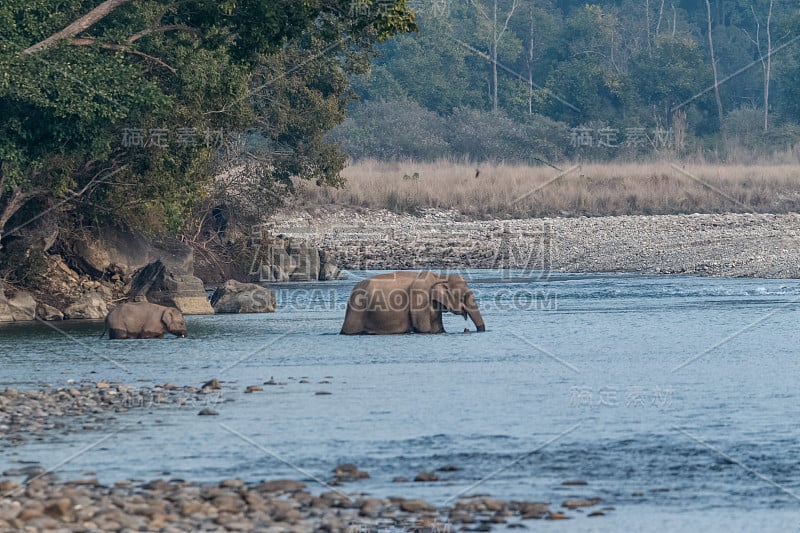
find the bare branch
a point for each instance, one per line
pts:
(510, 14)
(162, 29)
(88, 20)
(480, 9)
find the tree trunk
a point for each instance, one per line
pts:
(768, 69)
(86, 21)
(714, 65)
(15, 201)
(647, 24)
(530, 66)
(494, 59)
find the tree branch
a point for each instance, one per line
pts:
(88, 41)
(88, 20)
(510, 14)
(480, 9)
(161, 29)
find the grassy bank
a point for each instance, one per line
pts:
(573, 190)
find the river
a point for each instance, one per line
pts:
(674, 398)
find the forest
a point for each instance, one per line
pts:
(152, 114)
(527, 81)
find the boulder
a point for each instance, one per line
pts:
(236, 297)
(168, 285)
(90, 305)
(110, 249)
(328, 270)
(17, 308)
(306, 260)
(5, 310)
(276, 263)
(48, 312)
(279, 258)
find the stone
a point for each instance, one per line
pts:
(60, 509)
(426, 476)
(281, 486)
(328, 269)
(416, 506)
(90, 306)
(5, 310)
(19, 307)
(112, 249)
(306, 259)
(574, 504)
(349, 472)
(232, 483)
(167, 285)
(533, 510)
(208, 412)
(283, 511)
(228, 503)
(212, 384)
(48, 312)
(236, 297)
(7, 486)
(29, 513)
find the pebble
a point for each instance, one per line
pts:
(574, 504)
(44, 502)
(349, 472)
(730, 244)
(77, 407)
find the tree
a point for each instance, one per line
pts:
(495, 36)
(121, 109)
(673, 73)
(714, 65)
(766, 61)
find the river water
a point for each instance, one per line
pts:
(675, 398)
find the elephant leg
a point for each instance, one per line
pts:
(117, 333)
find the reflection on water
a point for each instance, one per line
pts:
(674, 398)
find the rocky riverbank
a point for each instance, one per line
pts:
(33, 498)
(731, 245)
(43, 503)
(26, 414)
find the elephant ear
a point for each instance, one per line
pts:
(168, 317)
(440, 295)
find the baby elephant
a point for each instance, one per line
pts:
(143, 320)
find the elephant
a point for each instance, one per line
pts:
(406, 302)
(144, 320)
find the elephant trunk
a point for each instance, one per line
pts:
(476, 318)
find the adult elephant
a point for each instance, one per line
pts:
(406, 302)
(143, 320)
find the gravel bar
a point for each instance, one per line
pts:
(729, 245)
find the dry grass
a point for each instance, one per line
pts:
(589, 189)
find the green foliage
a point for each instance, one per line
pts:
(610, 63)
(391, 130)
(275, 68)
(402, 128)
